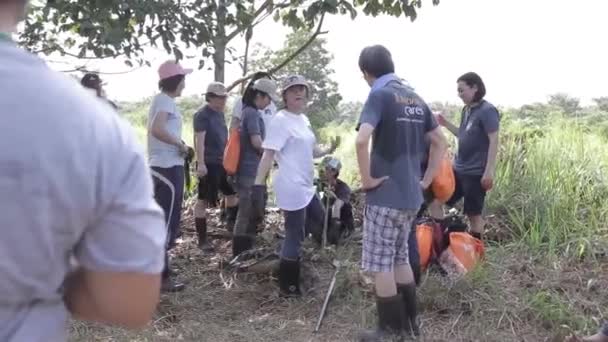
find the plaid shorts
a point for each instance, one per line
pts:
(385, 235)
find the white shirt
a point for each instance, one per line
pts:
(267, 113)
(160, 153)
(291, 136)
(74, 182)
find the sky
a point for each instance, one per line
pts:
(524, 50)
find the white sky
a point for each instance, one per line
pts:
(523, 49)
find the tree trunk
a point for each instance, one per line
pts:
(219, 56)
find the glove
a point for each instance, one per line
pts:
(258, 201)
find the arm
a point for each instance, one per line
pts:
(158, 130)
(256, 141)
(362, 149)
(199, 140)
(451, 127)
(438, 148)
(264, 167)
(492, 153)
(121, 252)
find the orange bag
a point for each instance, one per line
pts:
(232, 152)
(463, 254)
(424, 237)
(444, 183)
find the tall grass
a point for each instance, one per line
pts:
(552, 184)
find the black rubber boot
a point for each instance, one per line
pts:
(168, 283)
(390, 320)
(408, 293)
(201, 231)
(289, 278)
(240, 244)
(231, 213)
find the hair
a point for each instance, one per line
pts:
(170, 84)
(376, 60)
(472, 79)
(250, 96)
(249, 91)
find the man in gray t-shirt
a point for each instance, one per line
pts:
(399, 121)
(81, 232)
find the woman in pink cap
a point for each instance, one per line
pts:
(166, 153)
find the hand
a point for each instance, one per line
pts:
(335, 143)
(201, 170)
(183, 149)
(372, 183)
(440, 117)
(487, 182)
(425, 183)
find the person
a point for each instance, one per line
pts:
(92, 81)
(252, 133)
(267, 112)
(340, 216)
(77, 188)
(399, 120)
(601, 336)
(291, 141)
(475, 163)
(166, 153)
(211, 134)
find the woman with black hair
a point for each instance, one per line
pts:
(475, 163)
(267, 112)
(166, 152)
(252, 133)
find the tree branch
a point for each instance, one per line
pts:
(312, 38)
(257, 13)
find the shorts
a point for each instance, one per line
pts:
(468, 187)
(385, 238)
(211, 184)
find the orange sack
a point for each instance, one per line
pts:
(232, 152)
(444, 183)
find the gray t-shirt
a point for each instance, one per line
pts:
(160, 153)
(473, 142)
(214, 124)
(400, 119)
(74, 185)
(251, 124)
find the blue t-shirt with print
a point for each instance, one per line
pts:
(401, 120)
(473, 141)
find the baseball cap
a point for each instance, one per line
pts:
(217, 89)
(267, 86)
(295, 80)
(332, 163)
(91, 80)
(170, 69)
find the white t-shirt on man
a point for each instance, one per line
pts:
(291, 136)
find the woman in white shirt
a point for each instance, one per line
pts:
(291, 142)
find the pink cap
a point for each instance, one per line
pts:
(170, 69)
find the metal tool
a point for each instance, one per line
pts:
(330, 290)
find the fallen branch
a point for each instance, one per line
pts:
(288, 59)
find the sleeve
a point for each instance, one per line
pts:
(490, 119)
(129, 232)
(237, 110)
(343, 192)
(252, 122)
(200, 122)
(277, 135)
(430, 123)
(372, 110)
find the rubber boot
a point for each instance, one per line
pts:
(240, 244)
(289, 278)
(201, 231)
(390, 320)
(169, 284)
(408, 294)
(231, 213)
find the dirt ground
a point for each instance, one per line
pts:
(514, 296)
